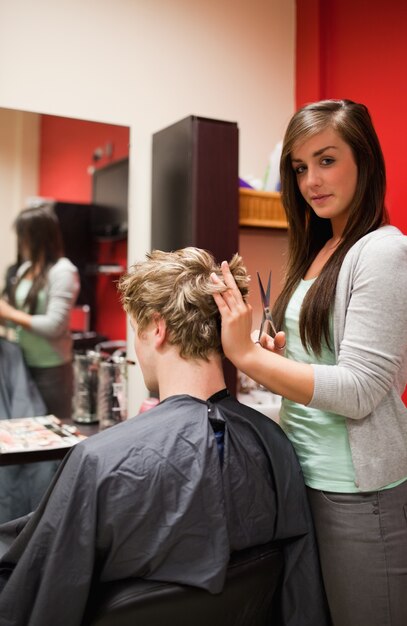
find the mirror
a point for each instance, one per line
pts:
(82, 167)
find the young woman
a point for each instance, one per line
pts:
(340, 362)
(46, 287)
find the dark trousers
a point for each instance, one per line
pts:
(55, 385)
(362, 540)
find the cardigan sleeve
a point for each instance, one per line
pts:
(371, 310)
(63, 288)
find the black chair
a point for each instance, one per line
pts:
(250, 597)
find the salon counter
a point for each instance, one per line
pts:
(35, 456)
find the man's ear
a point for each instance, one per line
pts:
(160, 330)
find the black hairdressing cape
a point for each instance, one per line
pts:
(149, 498)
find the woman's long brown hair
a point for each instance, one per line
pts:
(39, 234)
(307, 232)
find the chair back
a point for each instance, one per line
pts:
(250, 597)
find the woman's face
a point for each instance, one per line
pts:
(327, 176)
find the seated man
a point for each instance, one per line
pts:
(169, 494)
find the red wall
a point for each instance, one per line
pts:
(66, 154)
(67, 147)
(110, 317)
(357, 50)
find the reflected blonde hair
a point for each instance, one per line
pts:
(177, 286)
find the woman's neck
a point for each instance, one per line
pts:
(33, 270)
(322, 258)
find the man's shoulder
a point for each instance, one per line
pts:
(248, 412)
(150, 428)
(270, 437)
(264, 426)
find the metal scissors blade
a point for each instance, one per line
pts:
(265, 299)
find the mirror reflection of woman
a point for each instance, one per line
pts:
(45, 289)
(340, 361)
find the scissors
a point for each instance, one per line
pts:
(265, 299)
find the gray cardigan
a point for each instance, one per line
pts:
(62, 289)
(370, 335)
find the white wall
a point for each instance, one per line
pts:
(148, 63)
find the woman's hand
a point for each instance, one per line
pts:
(5, 310)
(10, 314)
(284, 377)
(236, 317)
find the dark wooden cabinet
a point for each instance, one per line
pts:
(195, 195)
(195, 191)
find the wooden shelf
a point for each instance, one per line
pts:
(262, 209)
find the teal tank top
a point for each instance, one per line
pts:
(38, 351)
(320, 438)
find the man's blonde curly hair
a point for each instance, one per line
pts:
(177, 286)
